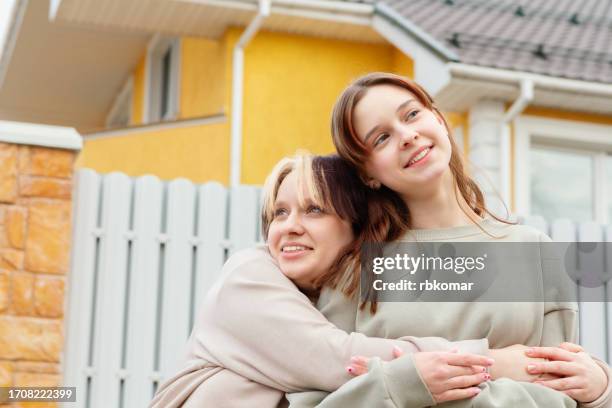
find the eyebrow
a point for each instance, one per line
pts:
(399, 109)
(279, 204)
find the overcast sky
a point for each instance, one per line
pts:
(6, 6)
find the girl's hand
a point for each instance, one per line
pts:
(581, 377)
(448, 376)
(510, 362)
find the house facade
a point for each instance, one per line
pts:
(152, 85)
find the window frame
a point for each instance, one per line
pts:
(157, 50)
(567, 135)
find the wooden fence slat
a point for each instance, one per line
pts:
(80, 288)
(143, 294)
(110, 303)
(592, 314)
(608, 257)
(177, 274)
(565, 231)
(244, 210)
(537, 222)
(212, 222)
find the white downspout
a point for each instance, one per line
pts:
(237, 88)
(524, 99)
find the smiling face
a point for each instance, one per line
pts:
(409, 144)
(303, 237)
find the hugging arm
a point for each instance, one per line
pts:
(256, 323)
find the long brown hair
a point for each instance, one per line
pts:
(334, 185)
(350, 147)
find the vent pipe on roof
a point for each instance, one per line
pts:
(237, 89)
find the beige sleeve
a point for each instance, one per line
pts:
(605, 399)
(256, 323)
(561, 321)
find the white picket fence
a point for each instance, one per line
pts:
(145, 252)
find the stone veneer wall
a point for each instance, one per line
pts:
(35, 233)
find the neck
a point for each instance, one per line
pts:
(441, 206)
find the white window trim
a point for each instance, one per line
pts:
(126, 93)
(155, 49)
(595, 139)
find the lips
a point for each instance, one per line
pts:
(419, 155)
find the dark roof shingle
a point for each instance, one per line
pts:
(562, 38)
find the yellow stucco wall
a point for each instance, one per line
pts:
(138, 92)
(402, 64)
(190, 152)
(202, 89)
(291, 84)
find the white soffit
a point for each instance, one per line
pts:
(65, 75)
(210, 18)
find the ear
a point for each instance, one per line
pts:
(373, 184)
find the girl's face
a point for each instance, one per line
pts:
(305, 240)
(409, 143)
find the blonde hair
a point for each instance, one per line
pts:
(333, 184)
(301, 163)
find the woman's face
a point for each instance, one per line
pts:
(409, 143)
(305, 240)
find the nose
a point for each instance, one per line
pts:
(293, 224)
(407, 138)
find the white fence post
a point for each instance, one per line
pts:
(81, 286)
(212, 235)
(592, 314)
(143, 292)
(177, 273)
(110, 295)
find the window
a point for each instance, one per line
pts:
(121, 112)
(563, 169)
(163, 80)
(561, 183)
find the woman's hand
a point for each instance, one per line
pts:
(449, 376)
(510, 362)
(581, 377)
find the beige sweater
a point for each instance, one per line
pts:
(504, 324)
(257, 336)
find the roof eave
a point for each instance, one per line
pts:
(469, 83)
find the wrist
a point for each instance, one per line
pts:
(494, 369)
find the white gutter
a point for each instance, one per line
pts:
(237, 90)
(521, 102)
(313, 5)
(519, 105)
(539, 81)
